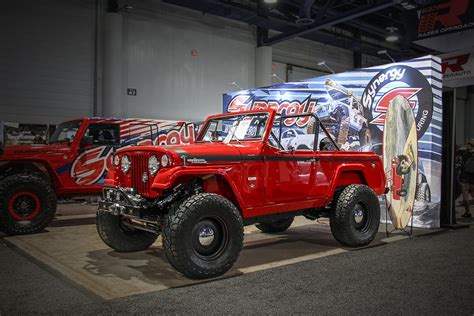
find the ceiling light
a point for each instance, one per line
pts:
(278, 77)
(392, 34)
(304, 21)
(323, 63)
(126, 8)
(270, 1)
(384, 52)
(391, 38)
(233, 83)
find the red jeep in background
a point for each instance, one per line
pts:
(73, 163)
(199, 196)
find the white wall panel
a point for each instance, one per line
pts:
(170, 82)
(47, 60)
(305, 53)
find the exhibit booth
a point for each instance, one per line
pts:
(353, 106)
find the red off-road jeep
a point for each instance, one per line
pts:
(199, 196)
(73, 163)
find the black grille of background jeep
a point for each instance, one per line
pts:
(139, 168)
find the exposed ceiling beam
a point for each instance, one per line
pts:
(352, 14)
(325, 36)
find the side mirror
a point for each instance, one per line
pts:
(87, 141)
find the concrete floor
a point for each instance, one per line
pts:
(424, 275)
(68, 269)
(78, 254)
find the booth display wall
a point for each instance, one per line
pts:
(418, 80)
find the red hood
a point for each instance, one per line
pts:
(207, 151)
(33, 151)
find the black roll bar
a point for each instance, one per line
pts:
(320, 125)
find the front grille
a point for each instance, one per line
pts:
(139, 167)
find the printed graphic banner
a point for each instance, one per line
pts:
(90, 167)
(458, 68)
(353, 106)
(445, 17)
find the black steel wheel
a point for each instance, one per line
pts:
(202, 238)
(27, 204)
(355, 220)
(210, 237)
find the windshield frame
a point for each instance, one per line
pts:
(80, 122)
(209, 120)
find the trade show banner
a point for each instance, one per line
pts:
(353, 106)
(458, 68)
(445, 17)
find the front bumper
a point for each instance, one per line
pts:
(121, 201)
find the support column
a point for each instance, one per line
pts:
(469, 113)
(112, 65)
(263, 66)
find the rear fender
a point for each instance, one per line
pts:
(357, 173)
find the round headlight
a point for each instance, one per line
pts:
(153, 165)
(116, 160)
(126, 163)
(165, 161)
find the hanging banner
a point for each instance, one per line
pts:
(458, 68)
(445, 17)
(353, 107)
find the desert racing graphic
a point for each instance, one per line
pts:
(90, 166)
(400, 160)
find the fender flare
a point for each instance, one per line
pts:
(358, 167)
(167, 179)
(40, 166)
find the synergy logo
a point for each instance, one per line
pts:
(412, 85)
(443, 18)
(384, 77)
(384, 101)
(246, 102)
(90, 166)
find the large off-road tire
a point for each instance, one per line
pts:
(202, 238)
(27, 204)
(423, 192)
(117, 235)
(355, 220)
(277, 226)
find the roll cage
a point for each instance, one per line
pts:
(318, 125)
(275, 118)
